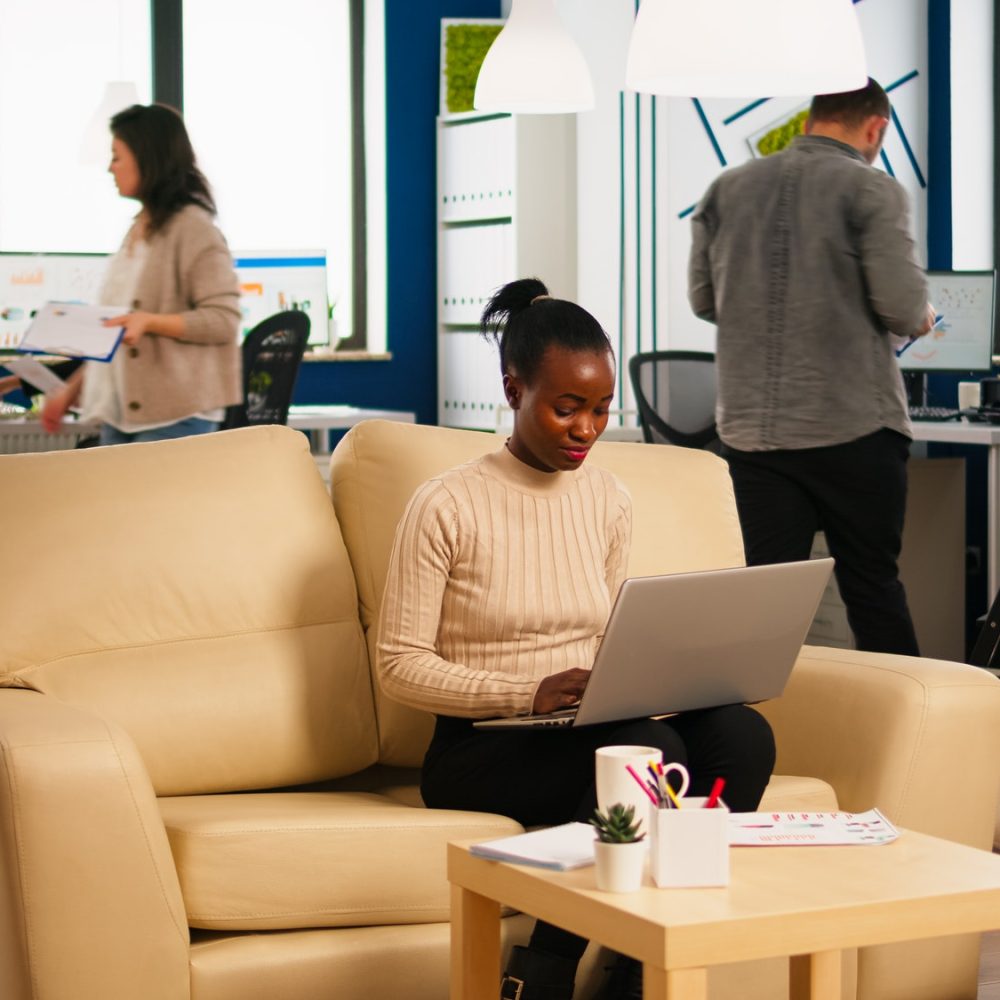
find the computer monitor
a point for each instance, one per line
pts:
(270, 282)
(29, 280)
(273, 281)
(963, 340)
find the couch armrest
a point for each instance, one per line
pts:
(919, 739)
(90, 905)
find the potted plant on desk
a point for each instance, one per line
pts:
(620, 852)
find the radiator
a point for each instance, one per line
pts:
(19, 434)
(16, 444)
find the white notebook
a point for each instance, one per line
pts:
(570, 845)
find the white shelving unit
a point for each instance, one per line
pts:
(506, 209)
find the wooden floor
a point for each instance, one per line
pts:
(989, 967)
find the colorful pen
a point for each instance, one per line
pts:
(673, 795)
(713, 795)
(642, 784)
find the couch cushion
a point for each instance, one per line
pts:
(198, 593)
(315, 859)
(783, 792)
(684, 515)
(684, 518)
(786, 793)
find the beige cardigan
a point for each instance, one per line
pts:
(189, 271)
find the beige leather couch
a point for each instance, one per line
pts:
(202, 792)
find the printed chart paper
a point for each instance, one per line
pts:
(798, 829)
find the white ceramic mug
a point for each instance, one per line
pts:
(968, 395)
(615, 784)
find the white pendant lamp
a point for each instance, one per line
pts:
(96, 146)
(739, 48)
(534, 66)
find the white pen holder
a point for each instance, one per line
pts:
(689, 846)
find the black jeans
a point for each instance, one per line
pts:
(546, 776)
(856, 494)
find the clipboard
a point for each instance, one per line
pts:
(73, 330)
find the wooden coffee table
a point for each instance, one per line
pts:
(810, 903)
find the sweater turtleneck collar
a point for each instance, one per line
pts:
(507, 468)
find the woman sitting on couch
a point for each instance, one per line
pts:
(501, 580)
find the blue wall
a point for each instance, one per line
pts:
(409, 381)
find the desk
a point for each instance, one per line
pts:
(986, 435)
(811, 903)
(318, 421)
(22, 434)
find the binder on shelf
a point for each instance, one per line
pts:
(475, 262)
(477, 169)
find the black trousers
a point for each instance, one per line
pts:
(856, 494)
(546, 776)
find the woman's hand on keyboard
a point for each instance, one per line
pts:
(560, 690)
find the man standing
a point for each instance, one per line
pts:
(805, 262)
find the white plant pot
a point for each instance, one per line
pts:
(620, 866)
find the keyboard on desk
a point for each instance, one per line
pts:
(934, 413)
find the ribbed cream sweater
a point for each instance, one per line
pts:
(500, 575)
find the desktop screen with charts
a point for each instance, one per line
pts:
(963, 338)
(29, 280)
(269, 283)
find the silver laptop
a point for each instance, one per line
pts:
(695, 640)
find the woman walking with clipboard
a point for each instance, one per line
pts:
(178, 366)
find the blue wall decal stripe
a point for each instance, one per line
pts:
(652, 209)
(746, 110)
(903, 79)
(708, 129)
(638, 233)
(909, 149)
(621, 225)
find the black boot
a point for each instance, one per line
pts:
(537, 975)
(624, 980)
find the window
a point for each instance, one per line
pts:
(267, 100)
(56, 59)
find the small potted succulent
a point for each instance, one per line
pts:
(620, 850)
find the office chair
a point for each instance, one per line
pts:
(675, 395)
(272, 353)
(986, 649)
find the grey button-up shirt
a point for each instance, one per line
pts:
(805, 261)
